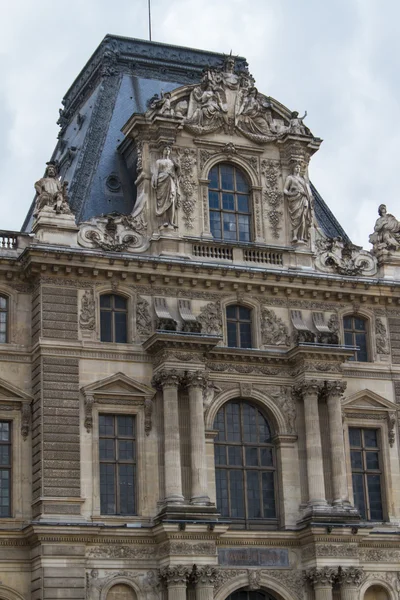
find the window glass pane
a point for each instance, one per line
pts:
(106, 425)
(233, 422)
(105, 301)
(244, 313)
(235, 455)
(348, 338)
(3, 318)
(4, 431)
(374, 496)
(107, 489)
(371, 438)
(358, 491)
(5, 455)
(231, 311)
(126, 489)
(213, 199)
(268, 495)
(215, 224)
(359, 324)
(267, 459)
(105, 326)
(355, 437)
(241, 183)
(245, 335)
(3, 303)
(107, 449)
(244, 228)
(222, 491)
(226, 177)
(249, 423)
(219, 424)
(253, 495)
(347, 323)
(263, 428)
(356, 459)
(220, 455)
(252, 457)
(229, 221)
(236, 493)
(125, 426)
(213, 177)
(228, 201)
(232, 334)
(372, 460)
(243, 203)
(5, 493)
(125, 450)
(120, 302)
(361, 341)
(120, 327)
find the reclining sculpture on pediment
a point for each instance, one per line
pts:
(386, 236)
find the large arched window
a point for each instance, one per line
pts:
(113, 318)
(355, 334)
(229, 204)
(250, 595)
(244, 463)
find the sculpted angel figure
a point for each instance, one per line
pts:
(165, 183)
(386, 231)
(51, 192)
(298, 194)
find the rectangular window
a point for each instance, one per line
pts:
(366, 472)
(117, 448)
(5, 469)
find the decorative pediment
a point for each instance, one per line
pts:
(9, 392)
(12, 398)
(118, 389)
(367, 400)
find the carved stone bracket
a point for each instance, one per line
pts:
(381, 337)
(26, 415)
(115, 232)
(88, 410)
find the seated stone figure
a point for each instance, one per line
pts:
(51, 192)
(386, 234)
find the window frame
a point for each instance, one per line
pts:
(113, 311)
(246, 522)
(221, 211)
(238, 322)
(10, 467)
(353, 331)
(6, 297)
(117, 462)
(364, 471)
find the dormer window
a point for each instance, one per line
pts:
(229, 204)
(238, 325)
(355, 334)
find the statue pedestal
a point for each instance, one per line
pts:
(52, 228)
(389, 264)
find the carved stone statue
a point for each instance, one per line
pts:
(206, 107)
(165, 182)
(51, 192)
(252, 117)
(299, 197)
(296, 124)
(386, 234)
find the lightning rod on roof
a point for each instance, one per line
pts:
(149, 7)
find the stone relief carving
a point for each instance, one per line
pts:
(26, 414)
(144, 324)
(114, 232)
(254, 579)
(176, 548)
(253, 116)
(272, 195)
(51, 193)
(330, 550)
(88, 412)
(386, 236)
(283, 396)
(299, 199)
(381, 337)
(225, 575)
(296, 125)
(337, 256)
(292, 579)
(325, 575)
(166, 184)
(210, 318)
(377, 555)
(352, 576)
(148, 412)
(205, 574)
(177, 574)
(188, 186)
(273, 330)
(87, 318)
(121, 551)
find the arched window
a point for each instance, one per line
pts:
(113, 318)
(121, 591)
(250, 595)
(244, 463)
(229, 204)
(238, 325)
(3, 319)
(355, 334)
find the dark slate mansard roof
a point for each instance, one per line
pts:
(118, 80)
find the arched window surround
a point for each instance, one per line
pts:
(383, 584)
(369, 317)
(118, 581)
(234, 584)
(255, 190)
(255, 318)
(130, 304)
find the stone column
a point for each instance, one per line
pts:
(196, 381)
(350, 579)
(309, 391)
(334, 391)
(175, 578)
(322, 580)
(168, 381)
(204, 578)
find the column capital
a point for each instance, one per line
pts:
(309, 387)
(350, 576)
(175, 575)
(197, 379)
(205, 575)
(167, 378)
(325, 576)
(335, 389)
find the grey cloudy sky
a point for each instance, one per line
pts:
(338, 59)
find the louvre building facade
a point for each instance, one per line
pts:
(199, 371)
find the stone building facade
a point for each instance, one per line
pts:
(199, 372)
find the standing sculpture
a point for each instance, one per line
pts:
(386, 234)
(298, 194)
(296, 124)
(165, 183)
(51, 192)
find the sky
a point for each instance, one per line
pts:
(339, 60)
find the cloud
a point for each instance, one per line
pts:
(338, 60)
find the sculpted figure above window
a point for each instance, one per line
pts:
(165, 182)
(386, 234)
(299, 197)
(51, 193)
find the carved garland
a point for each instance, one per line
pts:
(272, 195)
(187, 163)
